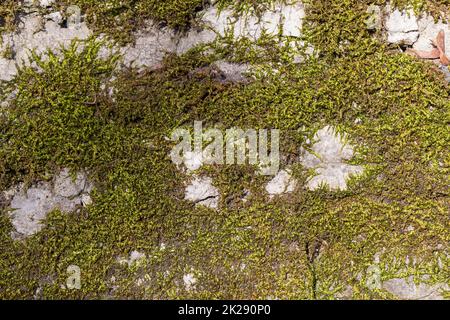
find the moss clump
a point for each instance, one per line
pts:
(439, 8)
(8, 15)
(120, 18)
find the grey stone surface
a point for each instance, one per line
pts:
(281, 19)
(46, 3)
(446, 72)
(136, 257)
(7, 69)
(281, 183)
(40, 34)
(55, 17)
(36, 32)
(328, 158)
(65, 186)
(202, 192)
(292, 19)
(406, 289)
(402, 26)
(30, 207)
(193, 160)
(416, 31)
(233, 72)
(151, 45)
(189, 281)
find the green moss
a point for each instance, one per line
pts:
(304, 245)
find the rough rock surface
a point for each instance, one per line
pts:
(153, 43)
(40, 34)
(30, 207)
(281, 183)
(65, 186)
(327, 158)
(446, 72)
(402, 26)
(407, 289)
(233, 72)
(202, 192)
(36, 32)
(199, 190)
(192, 160)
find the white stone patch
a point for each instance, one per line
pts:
(327, 158)
(55, 17)
(281, 183)
(419, 32)
(292, 18)
(150, 47)
(285, 18)
(189, 281)
(193, 160)
(65, 186)
(233, 72)
(153, 43)
(136, 256)
(37, 33)
(429, 29)
(30, 207)
(7, 69)
(402, 26)
(408, 290)
(214, 25)
(335, 176)
(446, 72)
(46, 3)
(202, 192)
